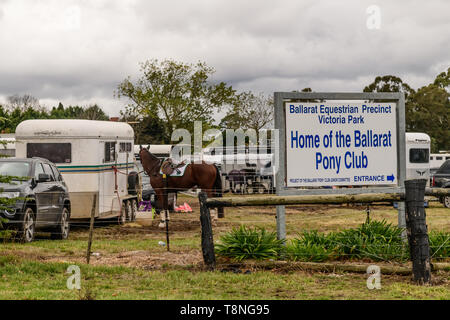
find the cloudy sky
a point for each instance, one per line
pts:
(77, 52)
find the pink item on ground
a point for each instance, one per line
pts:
(183, 208)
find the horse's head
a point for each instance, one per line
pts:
(149, 162)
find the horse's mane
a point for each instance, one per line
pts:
(151, 155)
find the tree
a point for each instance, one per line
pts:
(443, 80)
(147, 130)
(390, 83)
(249, 111)
(71, 112)
(15, 116)
(22, 102)
(177, 92)
(93, 112)
(428, 111)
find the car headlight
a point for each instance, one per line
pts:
(9, 195)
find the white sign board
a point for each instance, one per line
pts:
(335, 144)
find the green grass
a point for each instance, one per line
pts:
(439, 244)
(35, 280)
(37, 270)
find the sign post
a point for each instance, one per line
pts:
(346, 140)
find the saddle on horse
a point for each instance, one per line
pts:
(168, 167)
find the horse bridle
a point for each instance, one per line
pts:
(153, 167)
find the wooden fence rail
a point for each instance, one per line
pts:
(317, 199)
(415, 216)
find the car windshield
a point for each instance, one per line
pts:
(16, 169)
(445, 168)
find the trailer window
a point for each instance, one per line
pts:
(125, 147)
(54, 152)
(419, 155)
(110, 151)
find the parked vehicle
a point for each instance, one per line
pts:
(94, 157)
(417, 156)
(437, 159)
(43, 201)
(441, 179)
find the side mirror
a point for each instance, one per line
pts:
(43, 177)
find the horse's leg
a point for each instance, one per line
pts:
(162, 214)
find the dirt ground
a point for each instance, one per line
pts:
(138, 244)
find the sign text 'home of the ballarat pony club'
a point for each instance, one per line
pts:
(332, 144)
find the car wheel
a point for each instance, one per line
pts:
(446, 201)
(134, 209)
(28, 226)
(62, 230)
(123, 215)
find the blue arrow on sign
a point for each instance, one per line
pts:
(391, 177)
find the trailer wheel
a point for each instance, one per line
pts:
(123, 215)
(133, 182)
(129, 210)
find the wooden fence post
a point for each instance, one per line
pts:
(209, 256)
(91, 230)
(417, 230)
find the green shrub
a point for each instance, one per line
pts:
(249, 243)
(312, 246)
(375, 240)
(5, 234)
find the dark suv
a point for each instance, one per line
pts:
(43, 198)
(441, 179)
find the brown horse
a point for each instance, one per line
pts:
(204, 176)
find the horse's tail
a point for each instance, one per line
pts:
(218, 183)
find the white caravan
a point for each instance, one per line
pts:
(437, 159)
(417, 156)
(94, 157)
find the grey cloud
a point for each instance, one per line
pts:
(253, 45)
